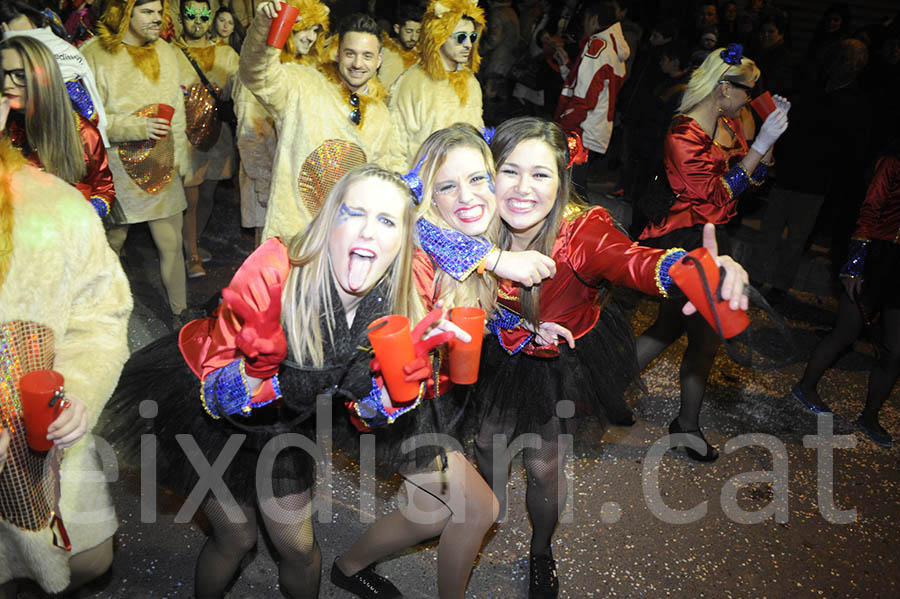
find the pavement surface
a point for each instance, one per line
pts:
(637, 524)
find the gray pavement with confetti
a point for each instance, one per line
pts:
(616, 540)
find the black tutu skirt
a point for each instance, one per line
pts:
(523, 391)
(182, 428)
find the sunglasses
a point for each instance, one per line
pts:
(461, 37)
(743, 86)
(203, 18)
(356, 115)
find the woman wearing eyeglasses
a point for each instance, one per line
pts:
(707, 176)
(39, 120)
(442, 89)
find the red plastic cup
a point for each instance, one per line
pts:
(164, 111)
(282, 25)
(36, 389)
(763, 105)
(393, 345)
(465, 357)
(687, 277)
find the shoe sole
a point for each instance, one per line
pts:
(867, 435)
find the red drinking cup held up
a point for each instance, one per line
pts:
(465, 357)
(686, 275)
(763, 105)
(392, 341)
(41, 395)
(282, 25)
(164, 111)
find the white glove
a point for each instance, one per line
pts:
(782, 103)
(776, 124)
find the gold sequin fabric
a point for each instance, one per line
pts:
(149, 163)
(202, 126)
(322, 169)
(29, 483)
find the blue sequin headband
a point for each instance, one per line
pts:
(414, 182)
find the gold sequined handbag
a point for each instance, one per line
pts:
(202, 123)
(201, 110)
(29, 482)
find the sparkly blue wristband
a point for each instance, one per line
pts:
(736, 181)
(759, 174)
(504, 318)
(856, 259)
(371, 411)
(664, 282)
(100, 206)
(228, 388)
(456, 254)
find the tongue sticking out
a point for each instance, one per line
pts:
(357, 271)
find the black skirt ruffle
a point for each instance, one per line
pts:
(524, 391)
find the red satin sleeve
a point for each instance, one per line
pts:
(208, 344)
(424, 278)
(696, 169)
(98, 176)
(879, 216)
(597, 250)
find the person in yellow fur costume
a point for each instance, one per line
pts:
(137, 72)
(320, 114)
(219, 63)
(442, 89)
(256, 136)
(62, 290)
(402, 51)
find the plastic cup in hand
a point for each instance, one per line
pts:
(393, 345)
(465, 357)
(282, 25)
(164, 111)
(41, 395)
(763, 105)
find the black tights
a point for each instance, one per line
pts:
(545, 495)
(703, 342)
(846, 330)
(299, 558)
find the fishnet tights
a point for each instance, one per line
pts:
(288, 525)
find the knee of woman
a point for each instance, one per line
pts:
(482, 512)
(243, 539)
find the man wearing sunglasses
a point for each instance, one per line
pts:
(206, 167)
(137, 76)
(442, 89)
(331, 112)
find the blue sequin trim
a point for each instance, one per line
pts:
(100, 206)
(504, 318)
(737, 180)
(759, 174)
(230, 386)
(456, 254)
(856, 258)
(371, 411)
(663, 281)
(80, 98)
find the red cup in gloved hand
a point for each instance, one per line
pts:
(42, 396)
(686, 274)
(763, 105)
(417, 368)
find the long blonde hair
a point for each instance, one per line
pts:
(307, 293)
(705, 78)
(51, 125)
(477, 289)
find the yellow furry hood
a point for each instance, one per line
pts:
(440, 19)
(116, 18)
(312, 13)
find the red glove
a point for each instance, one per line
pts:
(261, 338)
(420, 369)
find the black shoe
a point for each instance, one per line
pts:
(710, 454)
(542, 580)
(810, 401)
(875, 433)
(366, 583)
